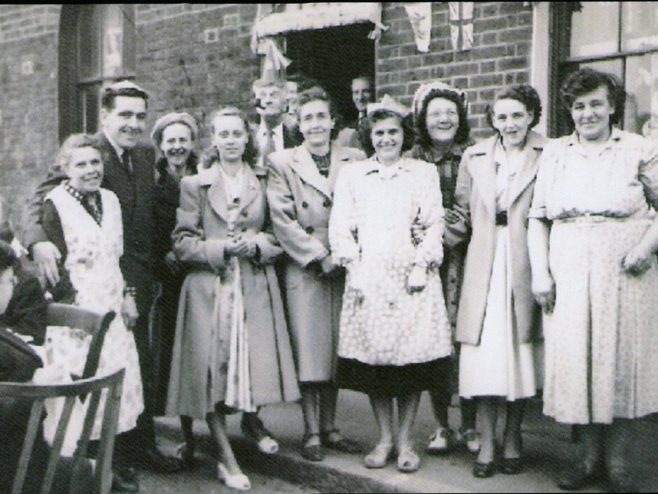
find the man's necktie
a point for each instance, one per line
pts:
(127, 162)
(269, 143)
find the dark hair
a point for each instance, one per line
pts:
(316, 93)
(8, 258)
(365, 129)
(110, 94)
(74, 141)
(524, 94)
(211, 154)
(585, 81)
(463, 130)
(365, 77)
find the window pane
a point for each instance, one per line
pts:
(609, 66)
(641, 113)
(88, 42)
(595, 29)
(112, 40)
(89, 105)
(639, 25)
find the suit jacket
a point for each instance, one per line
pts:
(136, 192)
(475, 202)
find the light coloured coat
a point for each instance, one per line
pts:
(200, 238)
(475, 202)
(300, 200)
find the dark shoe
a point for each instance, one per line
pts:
(124, 479)
(185, 454)
(511, 466)
(342, 444)
(311, 452)
(154, 460)
(483, 470)
(578, 477)
(253, 428)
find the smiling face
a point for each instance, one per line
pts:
(442, 120)
(591, 115)
(315, 122)
(387, 137)
(512, 120)
(176, 144)
(125, 123)
(362, 93)
(85, 169)
(272, 101)
(230, 137)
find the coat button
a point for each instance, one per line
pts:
(304, 204)
(326, 203)
(243, 229)
(310, 229)
(244, 213)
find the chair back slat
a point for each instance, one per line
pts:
(91, 322)
(36, 411)
(72, 391)
(58, 442)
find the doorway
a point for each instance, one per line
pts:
(333, 57)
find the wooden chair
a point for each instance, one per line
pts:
(91, 322)
(36, 394)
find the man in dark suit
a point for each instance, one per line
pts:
(129, 173)
(273, 132)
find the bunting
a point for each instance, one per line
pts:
(461, 25)
(420, 16)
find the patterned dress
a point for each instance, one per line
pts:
(601, 339)
(92, 261)
(385, 220)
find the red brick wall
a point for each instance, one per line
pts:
(502, 34)
(28, 98)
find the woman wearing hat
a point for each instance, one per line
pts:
(442, 134)
(175, 135)
(497, 317)
(385, 228)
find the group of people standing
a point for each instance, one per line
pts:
(298, 266)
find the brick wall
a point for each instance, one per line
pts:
(502, 34)
(196, 57)
(28, 98)
(182, 71)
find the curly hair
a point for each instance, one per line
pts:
(585, 81)
(524, 94)
(463, 130)
(317, 93)
(74, 141)
(211, 154)
(406, 123)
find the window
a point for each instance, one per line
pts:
(614, 37)
(96, 47)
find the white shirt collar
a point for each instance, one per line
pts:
(117, 149)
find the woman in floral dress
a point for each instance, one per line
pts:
(386, 228)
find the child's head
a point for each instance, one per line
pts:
(8, 262)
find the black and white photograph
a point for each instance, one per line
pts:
(329, 247)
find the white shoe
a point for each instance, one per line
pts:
(268, 445)
(472, 439)
(238, 481)
(439, 441)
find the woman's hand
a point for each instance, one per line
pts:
(543, 289)
(451, 216)
(241, 247)
(328, 265)
(47, 256)
(637, 260)
(417, 279)
(172, 263)
(129, 311)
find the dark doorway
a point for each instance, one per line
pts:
(333, 57)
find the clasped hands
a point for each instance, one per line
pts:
(241, 246)
(416, 281)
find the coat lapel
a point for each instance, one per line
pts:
(209, 177)
(483, 170)
(250, 186)
(529, 171)
(303, 165)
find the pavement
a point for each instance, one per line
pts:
(547, 449)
